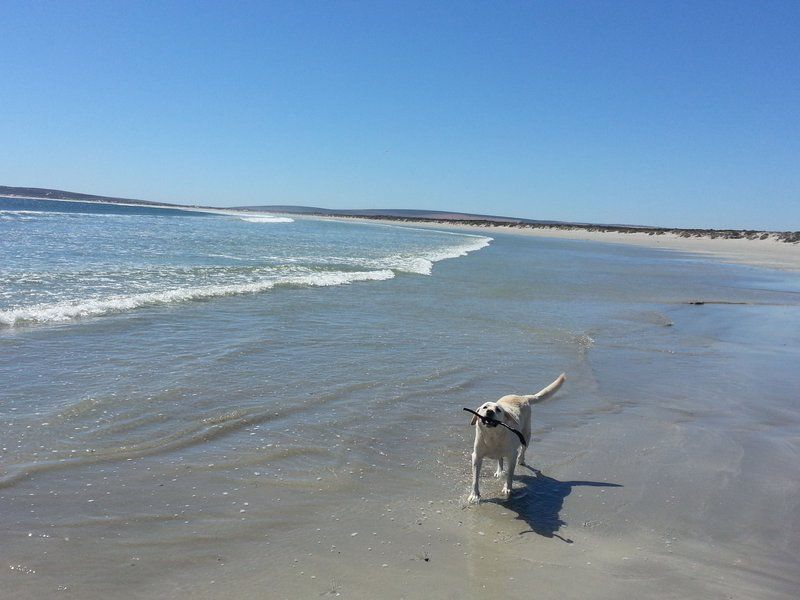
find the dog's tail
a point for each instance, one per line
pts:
(546, 392)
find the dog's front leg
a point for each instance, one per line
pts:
(477, 461)
(509, 477)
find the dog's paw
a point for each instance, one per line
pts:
(474, 499)
(506, 491)
(498, 473)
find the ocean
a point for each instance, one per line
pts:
(251, 406)
(66, 260)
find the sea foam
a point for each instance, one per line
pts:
(50, 276)
(59, 312)
(423, 264)
(267, 219)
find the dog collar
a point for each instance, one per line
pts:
(486, 420)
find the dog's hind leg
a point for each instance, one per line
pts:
(499, 470)
(526, 433)
(521, 456)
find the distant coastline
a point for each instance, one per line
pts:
(440, 218)
(771, 249)
(766, 249)
(790, 237)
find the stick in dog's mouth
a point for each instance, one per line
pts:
(490, 422)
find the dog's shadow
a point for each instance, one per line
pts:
(540, 499)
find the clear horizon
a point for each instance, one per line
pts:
(672, 114)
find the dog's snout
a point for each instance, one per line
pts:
(489, 412)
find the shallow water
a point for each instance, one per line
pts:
(292, 442)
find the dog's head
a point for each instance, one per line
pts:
(491, 410)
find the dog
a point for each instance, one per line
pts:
(492, 441)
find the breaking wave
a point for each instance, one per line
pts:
(267, 219)
(63, 269)
(59, 312)
(423, 265)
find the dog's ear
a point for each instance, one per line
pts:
(509, 420)
(474, 420)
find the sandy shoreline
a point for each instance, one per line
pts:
(768, 253)
(771, 253)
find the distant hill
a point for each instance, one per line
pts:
(30, 192)
(401, 213)
(396, 213)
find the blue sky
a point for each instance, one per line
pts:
(663, 113)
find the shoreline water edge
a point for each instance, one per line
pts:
(771, 250)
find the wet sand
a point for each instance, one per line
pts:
(335, 459)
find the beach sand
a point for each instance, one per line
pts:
(769, 253)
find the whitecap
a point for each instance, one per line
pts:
(267, 219)
(228, 256)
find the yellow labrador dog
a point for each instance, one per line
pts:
(492, 441)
